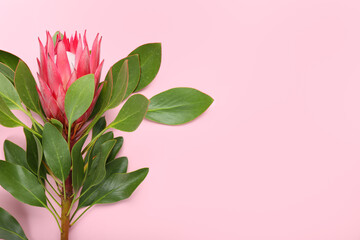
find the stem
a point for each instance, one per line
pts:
(33, 120)
(66, 200)
(80, 215)
(34, 132)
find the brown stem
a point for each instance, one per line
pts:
(65, 206)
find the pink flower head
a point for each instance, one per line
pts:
(62, 64)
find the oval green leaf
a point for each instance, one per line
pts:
(177, 106)
(8, 72)
(22, 184)
(116, 187)
(116, 149)
(56, 151)
(9, 94)
(78, 164)
(9, 59)
(26, 87)
(98, 127)
(131, 114)
(79, 96)
(134, 72)
(7, 118)
(97, 169)
(10, 228)
(15, 154)
(121, 79)
(150, 60)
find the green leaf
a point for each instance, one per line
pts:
(134, 72)
(105, 96)
(97, 169)
(120, 85)
(7, 71)
(116, 187)
(56, 151)
(7, 118)
(116, 149)
(118, 165)
(57, 124)
(131, 114)
(9, 94)
(96, 149)
(26, 87)
(79, 96)
(178, 106)
(9, 59)
(34, 155)
(22, 184)
(150, 60)
(98, 127)
(31, 151)
(78, 164)
(39, 155)
(10, 228)
(15, 154)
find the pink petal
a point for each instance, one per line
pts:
(98, 73)
(62, 64)
(50, 46)
(43, 63)
(54, 79)
(78, 52)
(50, 102)
(44, 104)
(95, 55)
(61, 99)
(85, 41)
(73, 43)
(83, 66)
(66, 42)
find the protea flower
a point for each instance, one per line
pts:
(60, 65)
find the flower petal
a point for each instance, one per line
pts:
(98, 73)
(62, 64)
(95, 54)
(83, 66)
(54, 79)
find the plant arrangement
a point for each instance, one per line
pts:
(70, 162)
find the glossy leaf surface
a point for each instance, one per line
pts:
(15, 154)
(10, 228)
(78, 164)
(131, 114)
(116, 149)
(9, 59)
(116, 187)
(56, 151)
(150, 60)
(7, 118)
(26, 87)
(79, 96)
(98, 127)
(134, 72)
(8, 72)
(121, 79)
(178, 106)
(9, 94)
(22, 184)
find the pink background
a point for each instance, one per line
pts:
(276, 157)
